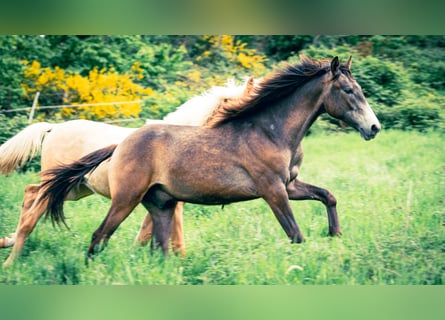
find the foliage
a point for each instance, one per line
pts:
(416, 113)
(394, 71)
(100, 86)
(389, 194)
(231, 56)
(422, 56)
(228, 58)
(278, 47)
(11, 126)
(381, 80)
(10, 90)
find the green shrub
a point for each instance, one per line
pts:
(11, 126)
(381, 80)
(421, 114)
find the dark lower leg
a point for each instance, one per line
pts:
(280, 206)
(162, 222)
(298, 190)
(116, 215)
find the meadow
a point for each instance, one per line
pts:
(390, 194)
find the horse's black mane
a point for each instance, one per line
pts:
(276, 86)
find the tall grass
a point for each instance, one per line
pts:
(390, 194)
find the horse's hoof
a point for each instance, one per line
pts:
(298, 239)
(6, 264)
(88, 258)
(335, 233)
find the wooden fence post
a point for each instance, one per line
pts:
(33, 108)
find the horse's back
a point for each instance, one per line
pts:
(74, 139)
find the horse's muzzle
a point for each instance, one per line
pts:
(369, 134)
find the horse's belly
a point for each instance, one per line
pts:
(212, 186)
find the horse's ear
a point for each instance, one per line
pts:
(250, 83)
(348, 63)
(335, 65)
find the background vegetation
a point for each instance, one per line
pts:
(390, 190)
(402, 76)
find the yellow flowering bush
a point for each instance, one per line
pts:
(238, 56)
(110, 95)
(169, 80)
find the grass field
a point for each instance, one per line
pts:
(390, 194)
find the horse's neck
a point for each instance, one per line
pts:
(289, 118)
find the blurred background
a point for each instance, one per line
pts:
(126, 79)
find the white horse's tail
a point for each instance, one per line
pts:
(23, 146)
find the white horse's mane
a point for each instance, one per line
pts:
(198, 109)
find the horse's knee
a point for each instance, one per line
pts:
(31, 191)
(331, 201)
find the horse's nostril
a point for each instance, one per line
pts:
(375, 129)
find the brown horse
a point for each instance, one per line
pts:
(62, 143)
(252, 150)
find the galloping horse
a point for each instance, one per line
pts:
(69, 141)
(251, 150)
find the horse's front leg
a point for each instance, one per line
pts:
(277, 198)
(298, 190)
(162, 216)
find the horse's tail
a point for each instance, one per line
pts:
(23, 146)
(59, 181)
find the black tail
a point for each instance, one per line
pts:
(65, 177)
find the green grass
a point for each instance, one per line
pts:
(390, 194)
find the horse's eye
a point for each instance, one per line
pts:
(348, 90)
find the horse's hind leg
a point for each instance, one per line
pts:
(298, 190)
(119, 210)
(28, 199)
(145, 233)
(31, 213)
(33, 208)
(177, 230)
(7, 242)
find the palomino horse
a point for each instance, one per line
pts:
(251, 150)
(69, 141)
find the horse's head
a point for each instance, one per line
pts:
(345, 101)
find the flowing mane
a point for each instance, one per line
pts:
(274, 87)
(197, 110)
